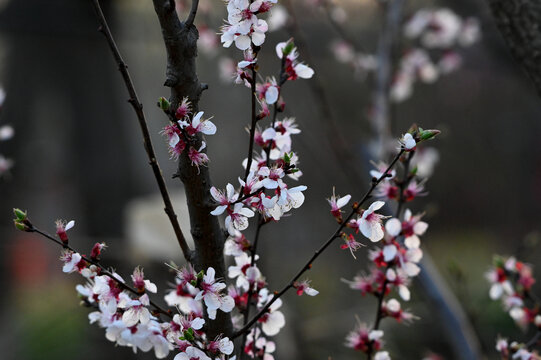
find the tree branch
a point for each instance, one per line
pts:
(191, 17)
(103, 270)
(181, 46)
(308, 265)
(138, 108)
(518, 22)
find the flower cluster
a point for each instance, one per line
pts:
(515, 350)
(439, 31)
(395, 262)
(6, 133)
(243, 26)
(265, 189)
(182, 132)
(511, 282)
(130, 319)
(434, 36)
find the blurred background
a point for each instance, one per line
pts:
(77, 154)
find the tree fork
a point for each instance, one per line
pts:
(180, 40)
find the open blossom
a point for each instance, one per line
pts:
(351, 244)
(273, 320)
(137, 311)
(337, 203)
(192, 353)
(243, 271)
(268, 91)
(62, 227)
(238, 218)
(412, 227)
(413, 190)
(140, 283)
(71, 261)
(221, 345)
(257, 346)
(197, 156)
(224, 199)
(408, 142)
(175, 140)
(393, 309)
(236, 244)
(303, 287)
(500, 283)
(381, 167)
(211, 294)
(363, 339)
(244, 27)
(293, 68)
(370, 223)
(197, 125)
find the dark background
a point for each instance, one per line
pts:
(79, 156)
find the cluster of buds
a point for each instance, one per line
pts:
(21, 221)
(183, 130)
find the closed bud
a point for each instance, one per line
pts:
(164, 104)
(289, 47)
(21, 226)
(21, 215)
(428, 134)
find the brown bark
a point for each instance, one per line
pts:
(519, 23)
(180, 40)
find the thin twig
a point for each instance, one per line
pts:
(534, 340)
(254, 120)
(138, 108)
(401, 200)
(324, 246)
(260, 221)
(191, 17)
(103, 270)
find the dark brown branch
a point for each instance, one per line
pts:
(181, 76)
(254, 120)
(103, 270)
(191, 17)
(138, 108)
(398, 214)
(308, 265)
(534, 341)
(518, 22)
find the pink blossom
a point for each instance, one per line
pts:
(140, 283)
(303, 287)
(370, 222)
(197, 125)
(337, 203)
(197, 157)
(62, 227)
